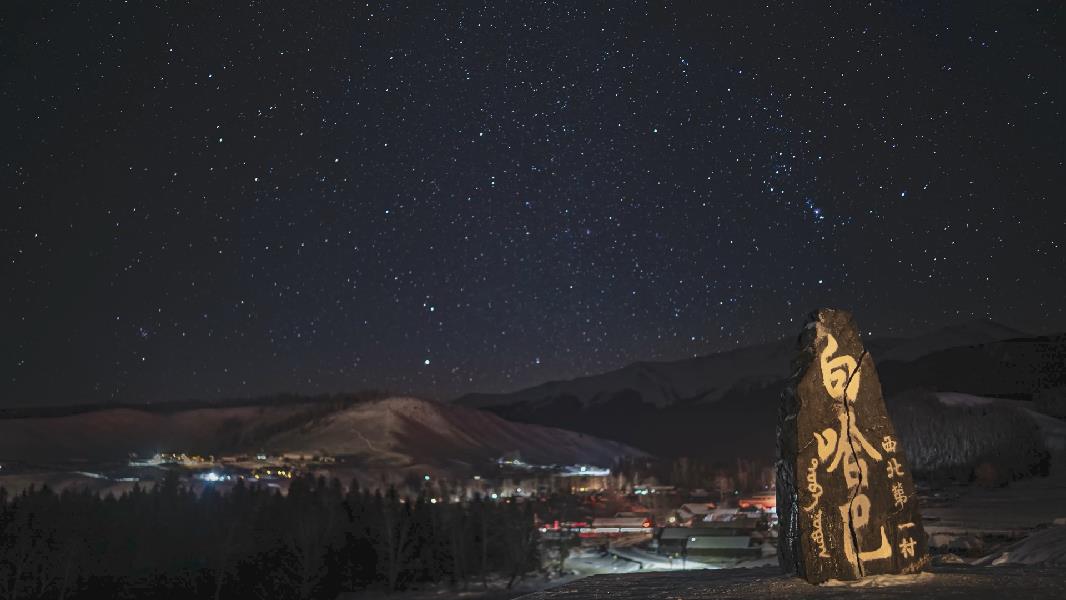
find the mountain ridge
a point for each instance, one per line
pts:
(733, 397)
(719, 371)
(394, 432)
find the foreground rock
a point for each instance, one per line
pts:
(846, 500)
(972, 583)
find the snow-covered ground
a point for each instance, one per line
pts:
(1023, 505)
(1046, 547)
(949, 581)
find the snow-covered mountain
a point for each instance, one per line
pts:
(725, 404)
(710, 378)
(954, 336)
(392, 432)
(396, 432)
(693, 380)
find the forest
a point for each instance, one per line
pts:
(317, 541)
(988, 443)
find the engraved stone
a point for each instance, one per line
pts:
(845, 497)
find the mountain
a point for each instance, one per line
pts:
(390, 432)
(396, 432)
(1009, 368)
(954, 336)
(725, 404)
(711, 378)
(661, 384)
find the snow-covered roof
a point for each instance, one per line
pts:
(709, 542)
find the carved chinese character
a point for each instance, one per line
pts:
(894, 468)
(906, 547)
(898, 495)
(855, 520)
(841, 380)
(888, 444)
(840, 375)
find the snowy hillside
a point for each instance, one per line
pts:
(403, 431)
(1052, 430)
(1046, 548)
(113, 433)
(960, 437)
(386, 433)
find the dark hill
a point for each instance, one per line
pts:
(725, 405)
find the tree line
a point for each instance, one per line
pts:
(316, 541)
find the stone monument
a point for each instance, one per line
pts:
(845, 497)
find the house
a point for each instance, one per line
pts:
(622, 523)
(700, 495)
(740, 526)
(657, 496)
(711, 546)
(764, 501)
(694, 511)
(721, 514)
(672, 540)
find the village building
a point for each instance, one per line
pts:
(722, 547)
(694, 511)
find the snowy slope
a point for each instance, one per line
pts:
(1046, 548)
(390, 432)
(963, 437)
(403, 431)
(113, 433)
(1052, 429)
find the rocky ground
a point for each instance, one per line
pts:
(945, 581)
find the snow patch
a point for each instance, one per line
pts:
(882, 581)
(1046, 547)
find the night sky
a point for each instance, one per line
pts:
(214, 200)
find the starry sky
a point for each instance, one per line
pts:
(212, 200)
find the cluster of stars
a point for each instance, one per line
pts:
(444, 198)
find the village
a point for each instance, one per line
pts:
(579, 509)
